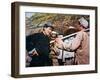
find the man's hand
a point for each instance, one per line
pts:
(59, 40)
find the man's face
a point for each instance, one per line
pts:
(48, 31)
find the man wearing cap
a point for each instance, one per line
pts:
(80, 44)
(38, 46)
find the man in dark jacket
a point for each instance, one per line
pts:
(38, 46)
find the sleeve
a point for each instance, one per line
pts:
(73, 45)
(76, 41)
(30, 43)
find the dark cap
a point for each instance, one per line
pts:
(48, 24)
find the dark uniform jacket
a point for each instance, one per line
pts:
(41, 43)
